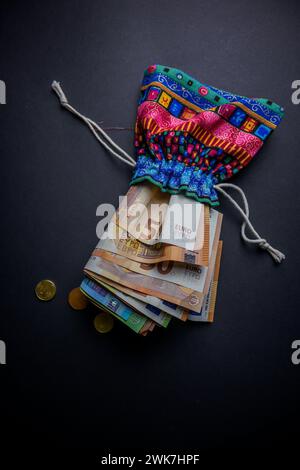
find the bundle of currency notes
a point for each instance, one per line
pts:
(158, 258)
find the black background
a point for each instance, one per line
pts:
(230, 384)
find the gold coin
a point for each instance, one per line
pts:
(45, 290)
(103, 322)
(77, 300)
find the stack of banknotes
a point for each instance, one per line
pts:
(158, 258)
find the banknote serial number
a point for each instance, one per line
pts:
(151, 459)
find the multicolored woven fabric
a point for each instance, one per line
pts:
(190, 136)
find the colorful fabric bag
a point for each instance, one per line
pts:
(191, 138)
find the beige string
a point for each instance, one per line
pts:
(261, 242)
(98, 132)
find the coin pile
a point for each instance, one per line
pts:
(158, 258)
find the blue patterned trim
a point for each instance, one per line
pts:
(180, 90)
(175, 177)
(255, 105)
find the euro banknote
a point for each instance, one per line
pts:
(185, 297)
(183, 224)
(152, 216)
(123, 244)
(142, 212)
(165, 290)
(168, 307)
(106, 300)
(194, 278)
(154, 313)
(171, 292)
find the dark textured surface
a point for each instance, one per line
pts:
(228, 384)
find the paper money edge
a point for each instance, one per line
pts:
(212, 292)
(185, 303)
(166, 317)
(215, 283)
(104, 307)
(139, 295)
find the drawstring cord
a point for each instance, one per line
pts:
(98, 132)
(261, 242)
(119, 153)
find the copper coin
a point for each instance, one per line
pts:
(103, 322)
(77, 300)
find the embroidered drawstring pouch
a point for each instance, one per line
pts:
(191, 138)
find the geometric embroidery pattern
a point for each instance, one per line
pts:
(190, 136)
